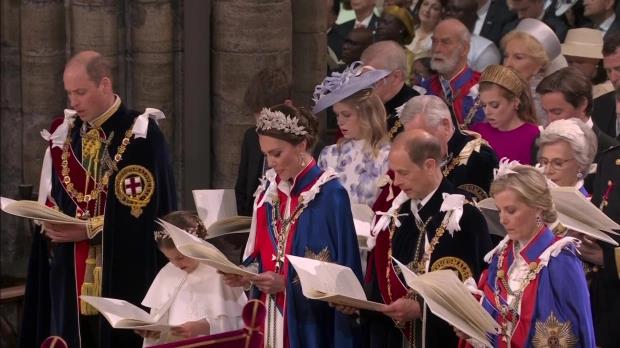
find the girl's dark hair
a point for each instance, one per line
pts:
(185, 220)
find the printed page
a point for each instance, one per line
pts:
(37, 211)
(331, 282)
(362, 218)
(450, 300)
(119, 312)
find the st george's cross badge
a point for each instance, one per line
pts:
(134, 187)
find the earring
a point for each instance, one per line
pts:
(579, 176)
(302, 159)
(539, 221)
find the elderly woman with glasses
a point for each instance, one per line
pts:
(566, 149)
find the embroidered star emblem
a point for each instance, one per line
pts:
(553, 333)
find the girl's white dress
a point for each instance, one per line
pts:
(193, 296)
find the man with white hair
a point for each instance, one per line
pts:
(454, 79)
(392, 90)
(467, 159)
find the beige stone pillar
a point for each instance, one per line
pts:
(152, 69)
(248, 36)
(42, 64)
(94, 26)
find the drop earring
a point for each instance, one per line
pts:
(539, 222)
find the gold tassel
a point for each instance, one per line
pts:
(92, 279)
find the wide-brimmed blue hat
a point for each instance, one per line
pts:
(339, 86)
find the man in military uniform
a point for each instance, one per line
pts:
(417, 233)
(605, 282)
(111, 167)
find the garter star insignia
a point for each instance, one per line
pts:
(455, 264)
(554, 334)
(134, 188)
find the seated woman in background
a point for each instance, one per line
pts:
(299, 210)
(534, 51)
(566, 150)
(360, 156)
(510, 126)
(535, 286)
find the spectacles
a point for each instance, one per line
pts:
(554, 163)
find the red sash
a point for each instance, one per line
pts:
(78, 175)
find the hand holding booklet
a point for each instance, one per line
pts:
(124, 315)
(448, 298)
(203, 251)
(37, 211)
(331, 282)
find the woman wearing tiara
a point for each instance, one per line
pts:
(299, 210)
(510, 125)
(535, 286)
(360, 156)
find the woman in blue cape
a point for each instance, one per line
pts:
(299, 210)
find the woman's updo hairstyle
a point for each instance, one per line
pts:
(531, 187)
(289, 123)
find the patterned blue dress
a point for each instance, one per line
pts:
(359, 169)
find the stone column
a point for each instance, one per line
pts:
(94, 26)
(248, 36)
(152, 71)
(309, 48)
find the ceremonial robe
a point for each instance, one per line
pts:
(140, 189)
(463, 251)
(324, 230)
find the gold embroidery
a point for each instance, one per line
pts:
(554, 334)
(453, 263)
(134, 187)
(323, 255)
(475, 190)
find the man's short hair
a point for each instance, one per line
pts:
(420, 147)
(611, 42)
(388, 55)
(431, 107)
(573, 85)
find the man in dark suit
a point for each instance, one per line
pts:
(607, 111)
(535, 9)
(364, 17)
(602, 14)
(492, 15)
(335, 40)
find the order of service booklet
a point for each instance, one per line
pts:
(37, 211)
(201, 250)
(331, 282)
(125, 315)
(448, 298)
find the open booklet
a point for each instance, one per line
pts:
(125, 315)
(37, 211)
(331, 282)
(201, 250)
(448, 298)
(575, 212)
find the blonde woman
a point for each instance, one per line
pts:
(534, 51)
(360, 156)
(534, 287)
(510, 126)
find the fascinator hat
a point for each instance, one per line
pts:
(340, 86)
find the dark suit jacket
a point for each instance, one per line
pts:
(615, 26)
(342, 30)
(556, 24)
(497, 18)
(250, 170)
(604, 113)
(335, 40)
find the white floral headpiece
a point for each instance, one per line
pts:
(163, 234)
(277, 120)
(505, 168)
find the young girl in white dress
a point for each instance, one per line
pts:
(195, 300)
